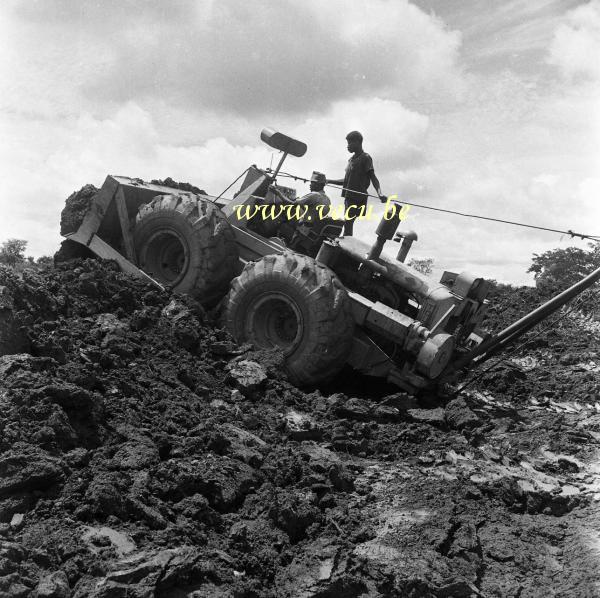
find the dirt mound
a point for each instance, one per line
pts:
(143, 453)
(76, 206)
(78, 203)
(169, 182)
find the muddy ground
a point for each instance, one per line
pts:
(142, 453)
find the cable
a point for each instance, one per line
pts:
(581, 300)
(230, 186)
(477, 216)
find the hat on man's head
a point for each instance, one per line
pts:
(318, 177)
(354, 136)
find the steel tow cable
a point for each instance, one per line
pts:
(477, 216)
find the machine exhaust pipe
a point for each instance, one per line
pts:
(385, 232)
(408, 238)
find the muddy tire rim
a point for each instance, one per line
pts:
(275, 320)
(167, 256)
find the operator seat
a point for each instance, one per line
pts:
(308, 236)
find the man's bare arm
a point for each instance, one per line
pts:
(335, 181)
(377, 186)
(280, 195)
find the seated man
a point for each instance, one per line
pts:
(311, 200)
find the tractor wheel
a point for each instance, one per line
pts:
(292, 302)
(185, 243)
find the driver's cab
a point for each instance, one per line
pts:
(245, 209)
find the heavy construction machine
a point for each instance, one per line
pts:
(324, 301)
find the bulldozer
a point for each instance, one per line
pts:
(325, 301)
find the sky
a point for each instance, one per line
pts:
(481, 106)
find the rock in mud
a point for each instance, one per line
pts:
(247, 376)
(311, 575)
(22, 362)
(301, 426)
(320, 459)
(435, 417)
(184, 321)
(11, 587)
(294, 513)
(400, 401)
(341, 479)
(26, 471)
(147, 574)
(105, 496)
(223, 481)
(459, 416)
(239, 444)
(135, 455)
(96, 537)
(352, 408)
(69, 396)
(54, 585)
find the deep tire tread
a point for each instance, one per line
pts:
(330, 321)
(209, 235)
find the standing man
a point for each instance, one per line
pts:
(360, 172)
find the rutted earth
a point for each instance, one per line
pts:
(143, 453)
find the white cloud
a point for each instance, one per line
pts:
(575, 49)
(229, 56)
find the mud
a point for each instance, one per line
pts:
(143, 453)
(169, 182)
(76, 206)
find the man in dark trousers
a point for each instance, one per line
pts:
(360, 173)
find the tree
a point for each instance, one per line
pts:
(557, 269)
(424, 266)
(12, 252)
(45, 260)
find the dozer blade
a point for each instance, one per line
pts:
(107, 227)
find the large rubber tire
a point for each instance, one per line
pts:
(186, 243)
(292, 302)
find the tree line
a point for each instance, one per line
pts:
(12, 254)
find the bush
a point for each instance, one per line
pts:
(12, 252)
(558, 269)
(424, 266)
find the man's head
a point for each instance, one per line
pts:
(354, 139)
(317, 181)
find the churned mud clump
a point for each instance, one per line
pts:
(143, 453)
(76, 207)
(169, 182)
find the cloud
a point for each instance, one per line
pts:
(497, 35)
(248, 58)
(576, 45)
(102, 15)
